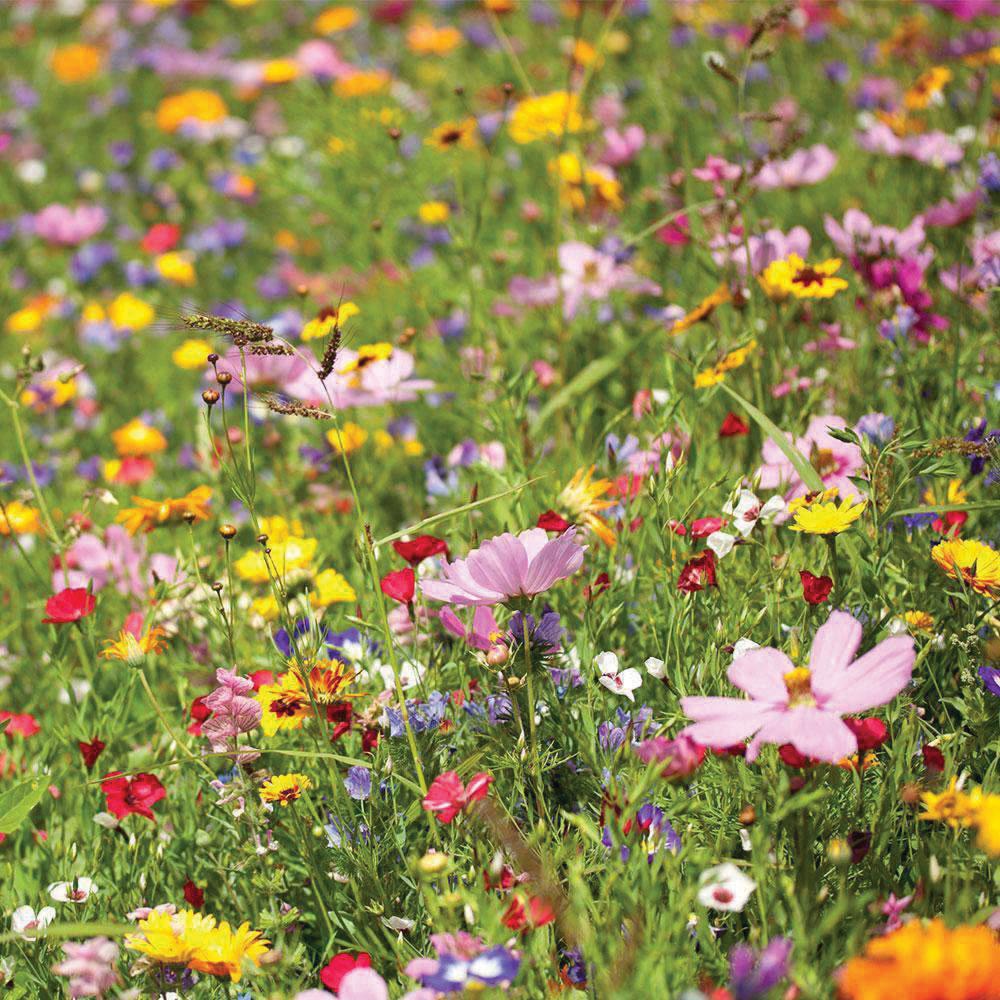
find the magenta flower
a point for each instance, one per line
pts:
(835, 461)
(506, 567)
(447, 796)
(803, 705)
(804, 166)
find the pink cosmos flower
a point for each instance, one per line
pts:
(859, 236)
(621, 147)
(484, 627)
(764, 248)
(803, 706)
(717, 168)
(508, 566)
(589, 274)
(953, 213)
(935, 148)
(447, 796)
(804, 166)
(834, 460)
(69, 227)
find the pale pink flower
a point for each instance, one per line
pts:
(233, 713)
(804, 706)
(589, 274)
(621, 147)
(622, 682)
(803, 167)
(89, 966)
(765, 248)
(508, 567)
(69, 226)
(717, 169)
(834, 460)
(935, 148)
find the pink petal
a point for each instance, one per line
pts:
(876, 678)
(811, 731)
(761, 673)
(721, 722)
(834, 645)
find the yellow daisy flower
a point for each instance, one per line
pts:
(817, 517)
(971, 561)
(793, 276)
(284, 788)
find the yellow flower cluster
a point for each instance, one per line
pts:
(544, 116)
(961, 810)
(577, 180)
(197, 942)
(17, 518)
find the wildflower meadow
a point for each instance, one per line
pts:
(500, 498)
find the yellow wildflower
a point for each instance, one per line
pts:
(330, 587)
(190, 105)
(136, 439)
(793, 276)
(426, 39)
(284, 788)
(176, 267)
(149, 514)
(17, 518)
(815, 516)
(128, 312)
(582, 499)
(973, 562)
(927, 87)
(548, 115)
(192, 354)
(346, 439)
(454, 135)
(335, 19)
(433, 213)
(76, 63)
(362, 83)
(131, 649)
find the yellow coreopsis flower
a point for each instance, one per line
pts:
(330, 587)
(426, 39)
(793, 276)
(545, 116)
(346, 439)
(335, 19)
(973, 562)
(284, 705)
(433, 213)
(362, 83)
(816, 516)
(927, 87)
(137, 439)
(328, 319)
(134, 650)
(286, 556)
(17, 518)
(76, 63)
(454, 135)
(280, 71)
(176, 267)
(715, 374)
(128, 312)
(703, 310)
(192, 354)
(952, 806)
(191, 105)
(284, 788)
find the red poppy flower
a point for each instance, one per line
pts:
(133, 470)
(933, 758)
(870, 733)
(69, 605)
(551, 521)
(702, 527)
(420, 548)
(194, 896)
(261, 677)
(399, 585)
(19, 725)
(793, 758)
(136, 794)
(698, 573)
(447, 796)
(161, 237)
(538, 913)
(200, 714)
(91, 751)
(593, 590)
(733, 426)
(334, 971)
(815, 589)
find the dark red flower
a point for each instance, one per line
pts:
(334, 971)
(420, 548)
(933, 759)
(194, 896)
(538, 913)
(369, 740)
(733, 426)
(815, 589)
(793, 758)
(200, 714)
(698, 573)
(677, 527)
(19, 725)
(860, 843)
(593, 590)
(551, 521)
(339, 713)
(132, 795)
(871, 733)
(91, 751)
(399, 585)
(69, 605)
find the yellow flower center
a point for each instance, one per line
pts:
(823, 461)
(799, 687)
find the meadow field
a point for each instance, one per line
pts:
(500, 498)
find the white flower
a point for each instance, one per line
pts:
(655, 668)
(725, 887)
(77, 891)
(747, 510)
(27, 924)
(744, 646)
(721, 543)
(623, 683)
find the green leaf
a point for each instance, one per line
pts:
(580, 383)
(802, 466)
(945, 507)
(18, 802)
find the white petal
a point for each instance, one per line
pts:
(607, 663)
(655, 668)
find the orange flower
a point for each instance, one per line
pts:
(76, 63)
(191, 105)
(131, 649)
(149, 514)
(926, 962)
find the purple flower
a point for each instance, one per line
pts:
(877, 427)
(990, 677)
(358, 783)
(494, 967)
(751, 974)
